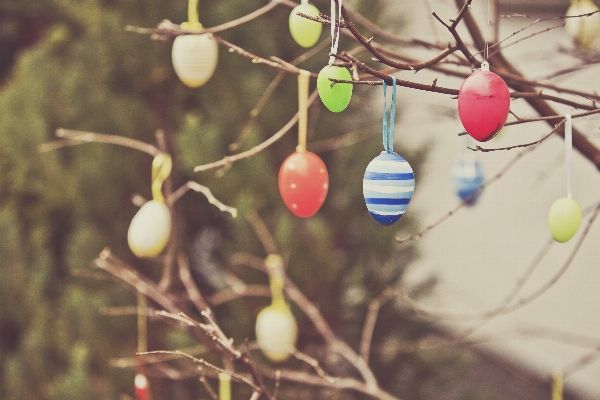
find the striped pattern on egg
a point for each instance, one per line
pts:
(388, 187)
(194, 58)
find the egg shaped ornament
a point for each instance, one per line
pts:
(142, 388)
(304, 31)
(388, 187)
(483, 104)
(150, 229)
(194, 58)
(564, 219)
(337, 97)
(467, 175)
(303, 183)
(584, 30)
(276, 332)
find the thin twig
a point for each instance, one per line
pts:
(205, 363)
(73, 137)
(258, 148)
(196, 187)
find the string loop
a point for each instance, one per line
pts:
(161, 169)
(388, 132)
(568, 153)
(335, 35)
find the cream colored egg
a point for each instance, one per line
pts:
(585, 30)
(276, 332)
(194, 58)
(150, 229)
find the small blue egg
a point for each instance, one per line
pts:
(468, 178)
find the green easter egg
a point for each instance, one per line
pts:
(304, 31)
(564, 219)
(335, 98)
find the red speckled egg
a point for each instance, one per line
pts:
(303, 183)
(483, 105)
(142, 389)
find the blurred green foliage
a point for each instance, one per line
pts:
(70, 64)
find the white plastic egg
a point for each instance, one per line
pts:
(194, 58)
(585, 30)
(150, 229)
(276, 332)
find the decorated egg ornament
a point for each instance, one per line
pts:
(194, 56)
(276, 328)
(388, 187)
(483, 104)
(303, 183)
(303, 177)
(276, 332)
(584, 30)
(150, 228)
(564, 219)
(389, 181)
(468, 178)
(304, 31)
(337, 97)
(142, 389)
(565, 215)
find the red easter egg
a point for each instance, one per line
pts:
(483, 105)
(142, 389)
(303, 183)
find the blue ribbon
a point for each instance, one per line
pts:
(388, 134)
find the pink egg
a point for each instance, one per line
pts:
(483, 105)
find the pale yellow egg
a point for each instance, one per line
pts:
(150, 229)
(276, 332)
(194, 58)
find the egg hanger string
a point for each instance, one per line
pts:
(304, 2)
(569, 153)
(161, 169)
(193, 17)
(274, 265)
(335, 34)
(487, 28)
(303, 83)
(224, 386)
(388, 132)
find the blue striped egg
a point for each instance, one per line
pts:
(388, 186)
(468, 178)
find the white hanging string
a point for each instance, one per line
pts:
(304, 2)
(335, 35)
(568, 153)
(487, 28)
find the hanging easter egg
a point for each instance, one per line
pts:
(304, 31)
(335, 98)
(276, 332)
(303, 183)
(150, 229)
(468, 178)
(142, 389)
(194, 58)
(564, 219)
(584, 30)
(388, 187)
(483, 104)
